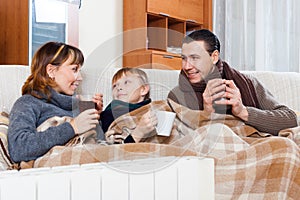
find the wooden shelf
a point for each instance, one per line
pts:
(156, 32)
(152, 27)
(176, 31)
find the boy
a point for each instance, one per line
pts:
(130, 90)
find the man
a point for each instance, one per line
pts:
(210, 84)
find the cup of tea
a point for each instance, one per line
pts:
(165, 122)
(221, 108)
(86, 102)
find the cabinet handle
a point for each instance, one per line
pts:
(164, 14)
(191, 20)
(168, 56)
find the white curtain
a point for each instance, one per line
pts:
(261, 35)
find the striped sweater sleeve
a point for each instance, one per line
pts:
(271, 116)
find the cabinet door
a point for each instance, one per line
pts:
(163, 7)
(166, 61)
(191, 10)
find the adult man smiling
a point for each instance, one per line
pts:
(206, 82)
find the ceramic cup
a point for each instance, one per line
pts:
(165, 122)
(86, 102)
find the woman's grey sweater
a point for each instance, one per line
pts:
(28, 112)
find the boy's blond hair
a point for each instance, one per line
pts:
(127, 71)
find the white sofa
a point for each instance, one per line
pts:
(285, 86)
(157, 178)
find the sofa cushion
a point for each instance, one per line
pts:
(5, 161)
(285, 86)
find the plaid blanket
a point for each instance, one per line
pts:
(248, 164)
(291, 133)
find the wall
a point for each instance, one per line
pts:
(100, 32)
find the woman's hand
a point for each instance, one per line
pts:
(85, 121)
(98, 100)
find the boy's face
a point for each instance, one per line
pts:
(129, 88)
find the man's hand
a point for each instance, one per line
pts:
(230, 94)
(234, 99)
(215, 89)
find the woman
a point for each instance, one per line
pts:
(49, 92)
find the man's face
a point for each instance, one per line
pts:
(196, 61)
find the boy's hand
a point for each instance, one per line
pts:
(98, 99)
(114, 138)
(143, 130)
(145, 126)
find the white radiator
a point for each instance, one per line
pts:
(185, 178)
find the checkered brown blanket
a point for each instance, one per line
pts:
(248, 164)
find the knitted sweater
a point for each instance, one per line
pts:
(28, 112)
(268, 115)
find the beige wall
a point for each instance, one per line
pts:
(99, 22)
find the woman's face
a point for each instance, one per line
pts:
(67, 77)
(129, 88)
(196, 61)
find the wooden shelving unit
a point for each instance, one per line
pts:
(154, 29)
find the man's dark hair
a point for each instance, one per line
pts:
(211, 41)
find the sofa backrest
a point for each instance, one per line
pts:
(161, 82)
(12, 78)
(285, 86)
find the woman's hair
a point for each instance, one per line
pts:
(211, 41)
(54, 53)
(128, 71)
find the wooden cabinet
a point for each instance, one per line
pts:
(189, 10)
(154, 29)
(14, 32)
(21, 35)
(152, 59)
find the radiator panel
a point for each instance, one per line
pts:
(148, 179)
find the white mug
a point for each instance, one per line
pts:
(165, 122)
